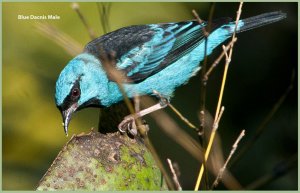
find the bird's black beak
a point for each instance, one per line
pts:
(67, 115)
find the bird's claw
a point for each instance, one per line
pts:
(125, 124)
(128, 125)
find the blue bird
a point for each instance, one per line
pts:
(150, 57)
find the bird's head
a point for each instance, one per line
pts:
(80, 85)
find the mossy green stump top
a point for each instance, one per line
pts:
(98, 161)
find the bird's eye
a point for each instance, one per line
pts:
(75, 92)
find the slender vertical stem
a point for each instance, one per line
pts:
(175, 178)
(91, 32)
(217, 115)
(205, 31)
(234, 147)
(103, 10)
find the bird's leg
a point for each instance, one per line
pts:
(128, 123)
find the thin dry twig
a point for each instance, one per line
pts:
(216, 160)
(170, 127)
(175, 178)
(200, 21)
(212, 136)
(103, 10)
(136, 103)
(238, 15)
(234, 147)
(75, 7)
(70, 45)
(177, 112)
(217, 61)
(205, 31)
(216, 123)
(201, 129)
(262, 127)
(203, 82)
(210, 16)
(210, 142)
(226, 55)
(191, 125)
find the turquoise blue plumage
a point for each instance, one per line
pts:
(151, 57)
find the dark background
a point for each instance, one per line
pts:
(260, 72)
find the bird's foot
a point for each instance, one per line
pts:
(129, 125)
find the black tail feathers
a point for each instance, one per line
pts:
(261, 20)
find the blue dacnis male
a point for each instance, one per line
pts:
(155, 57)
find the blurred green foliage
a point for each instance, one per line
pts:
(260, 72)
